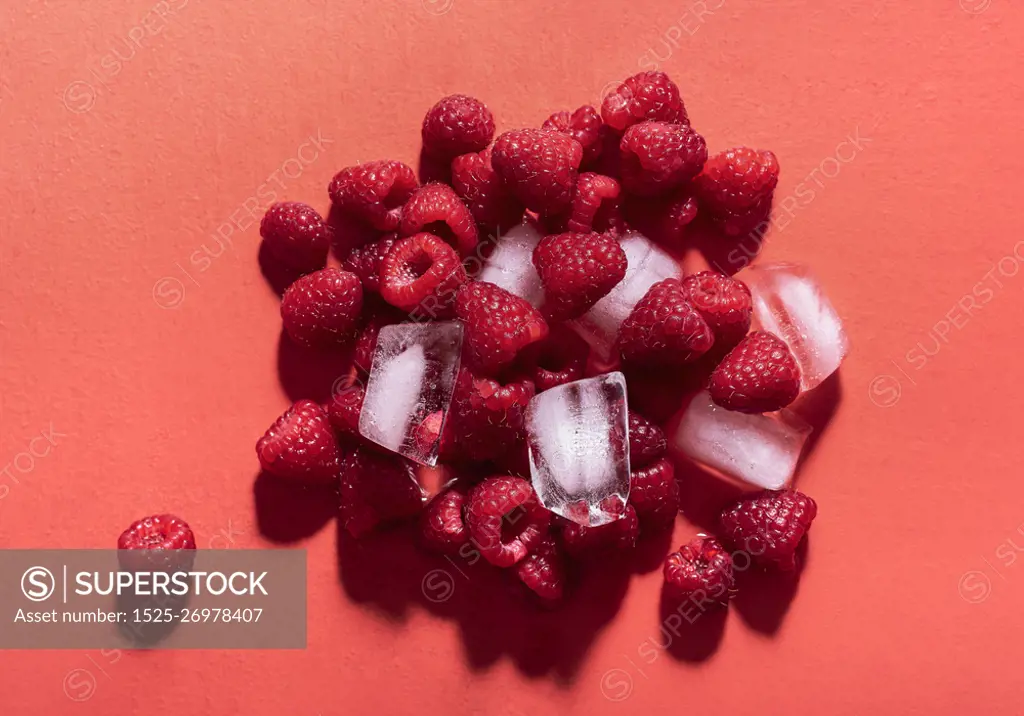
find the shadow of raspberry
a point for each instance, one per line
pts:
(279, 276)
(306, 373)
(348, 232)
(817, 407)
(689, 630)
(288, 511)
(765, 595)
(432, 169)
(722, 253)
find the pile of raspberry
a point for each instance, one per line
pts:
(409, 252)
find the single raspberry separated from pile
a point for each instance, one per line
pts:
(376, 487)
(619, 536)
(364, 261)
(664, 329)
(505, 519)
(322, 309)
(658, 157)
(498, 325)
(646, 441)
(159, 543)
(769, 525)
(724, 303)
(543, 570)
(760, 375)
(701, 569)
(486, 418)
(457, 124)
(296, 235)
(583, 125)
(736, 187)
(443, 528)
(539, 166)
(300, 445)
(648, 96)
(495, 208)
(654, 493)
(559, 359)
(437, 209)
(374, 192)
(418, 268)
(577, 270)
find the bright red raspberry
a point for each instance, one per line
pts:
(365, 261)
(648, 96)
(505, 519)
(582, 541)
(654, 493)
(146, 545)
(577, 270)
(486, 418)
(702, 568)
(376, 487)
(300, 445)
(769, 525)
(559, 359)
(658, 157)
(343, 410)
(498, 325)
(664, 218)
(374, 192)
(443, 528)
(724, 303)
(543, 570)
(646, 441)
(296, 235)
(539, 166)
(596, 206)
(322, 309)
(760, 375)
(738, 183)
(493, 206)
(583, 125)
(457, 124)
(421, 267)
(664, 328)
(437, 209)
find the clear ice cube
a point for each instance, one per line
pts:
(578, 442)
(412, 377)
(789, 302)
(761, 450)
(510, 264)
(646, 264)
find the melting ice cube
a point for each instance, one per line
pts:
(412, 377)
(789, 302)
(510, 264)
(761, 450)
(646, 264)
(578, 439)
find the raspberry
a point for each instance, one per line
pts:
(646, 441)
(300, 445)
(502, 531)
(322, 308)
(539, 166)
(493, 206)
(658, 157)
(437, 209)
(737, 181)
(701, 567)
(543, 570)
(457, 124)
(365, 262)
(559, 359)
(486, 418)
(583, 125)
(724, 303)
(577, 270)
(648, 96)
(498, 325)
(769, 525)
(662, 219)
(654, 493)
(296, 235)
(366, 344)
(760, 375)
(421, 267)
(442, 527)
(596, 206)
(618, 536)
(374, 192)
(344, 408)
(664, 329)
(376, 487)
(146, 546)
(738, 223)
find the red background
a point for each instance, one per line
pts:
(115, 172)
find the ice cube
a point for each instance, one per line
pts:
(761, 450)
(510, 264)
(578, 442)
(789, 302)
(412, 377)
(646, 264)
